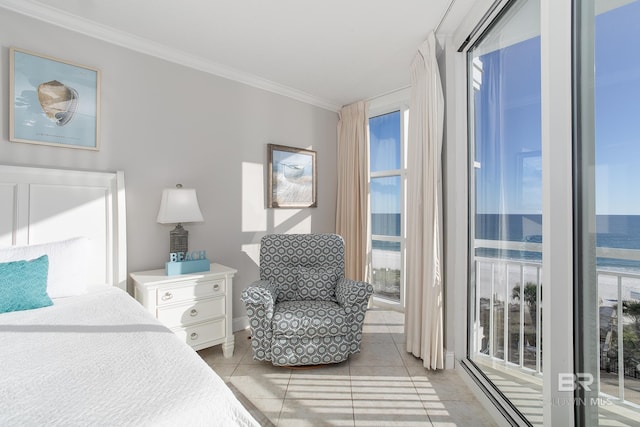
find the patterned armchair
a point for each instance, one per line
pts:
(303, 311)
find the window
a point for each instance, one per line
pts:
(387, 189)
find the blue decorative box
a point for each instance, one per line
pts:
(173, 268)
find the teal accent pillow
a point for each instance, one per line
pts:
(23, 285)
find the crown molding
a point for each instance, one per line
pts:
(130, 41)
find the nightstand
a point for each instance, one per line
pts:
(195, 306)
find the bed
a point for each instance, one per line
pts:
(83, 351)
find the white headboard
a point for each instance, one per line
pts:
(40, 205)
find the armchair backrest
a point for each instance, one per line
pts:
(281, 254)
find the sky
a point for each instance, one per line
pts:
(507, 124)
(617, 111)
(384, 153)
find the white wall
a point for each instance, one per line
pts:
(164, 124)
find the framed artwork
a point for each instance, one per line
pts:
(529, 181)
(291, 178)
(53, 102)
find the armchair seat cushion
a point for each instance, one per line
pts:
(310, 319)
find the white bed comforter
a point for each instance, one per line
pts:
(102, 360)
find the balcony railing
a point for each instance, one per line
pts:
(514, 324)
(509, 305)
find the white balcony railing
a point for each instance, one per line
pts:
(509, 305)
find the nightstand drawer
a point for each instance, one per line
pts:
(188, 291)
(202, 332)
(192, 312)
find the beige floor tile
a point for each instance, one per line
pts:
(399, 338)
(247, 359)
(337, 377)
(311, 390)
(382, 412)
(380, 384)
(409, 360)
(224, 371)
(261, 381)
(376, 315)
(324, 382)
(375, 328)
(270, 408)
(375, 322)
(369, 339)
(395, 327)
(214, 356)
(316, 412)
(380, 354)
(440, 385)
(451, 413)
(379, 372)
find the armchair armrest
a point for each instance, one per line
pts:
(259, 299)
(261, 292)
(352, 292)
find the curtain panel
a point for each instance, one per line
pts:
(424, 295)
(352, 205)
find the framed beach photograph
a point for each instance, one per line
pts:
(291, 177)
(53, 102)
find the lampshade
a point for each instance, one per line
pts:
(179, 205)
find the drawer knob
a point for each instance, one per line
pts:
(216, 287)
(194, 336)
(193, 312)
(167, 296)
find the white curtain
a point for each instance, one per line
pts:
(424, 307)
(352, 205)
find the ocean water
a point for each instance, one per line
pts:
(612, 231)
(386, 225)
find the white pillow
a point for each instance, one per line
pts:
(67, 264)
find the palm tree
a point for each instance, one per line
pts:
(631, 333)
(530, 298)
(632, 309)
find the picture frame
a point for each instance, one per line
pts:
(529, 181)
(53, 102)
(291, 177)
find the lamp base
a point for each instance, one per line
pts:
(178, 240)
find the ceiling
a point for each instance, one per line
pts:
(325, 52)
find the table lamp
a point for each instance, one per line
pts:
(179, 205)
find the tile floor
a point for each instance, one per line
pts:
(383, 385)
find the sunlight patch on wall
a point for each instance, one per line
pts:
(253, 252)
(254, 213)
(289, 221)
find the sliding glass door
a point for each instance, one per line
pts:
(607, 148)
(554, 209)
(506, 206)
